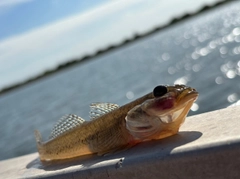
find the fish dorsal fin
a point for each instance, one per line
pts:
(65, 124)
(99, 109)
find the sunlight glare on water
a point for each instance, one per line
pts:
(219, 80)
(130, 95)
(232, 98)
(165, 56)
(194, 107)
(183, 80)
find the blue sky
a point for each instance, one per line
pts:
(18, 16)
(38, 35)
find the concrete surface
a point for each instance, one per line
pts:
(207, 146)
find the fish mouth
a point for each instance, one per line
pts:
(190, 94)
(184, 100)
(182, 105)
(172, 106)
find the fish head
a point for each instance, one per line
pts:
(162, 115)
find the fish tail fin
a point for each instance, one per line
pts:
(39, 142)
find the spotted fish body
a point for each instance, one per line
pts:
(153, 116)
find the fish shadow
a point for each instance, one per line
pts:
(149, 149)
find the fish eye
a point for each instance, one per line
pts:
(160, 91)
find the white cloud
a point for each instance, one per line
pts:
(33, 52)
(4, 3)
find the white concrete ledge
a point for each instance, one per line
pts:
(207, 146)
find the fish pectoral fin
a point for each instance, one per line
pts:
(66, 123)
(99, 109)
